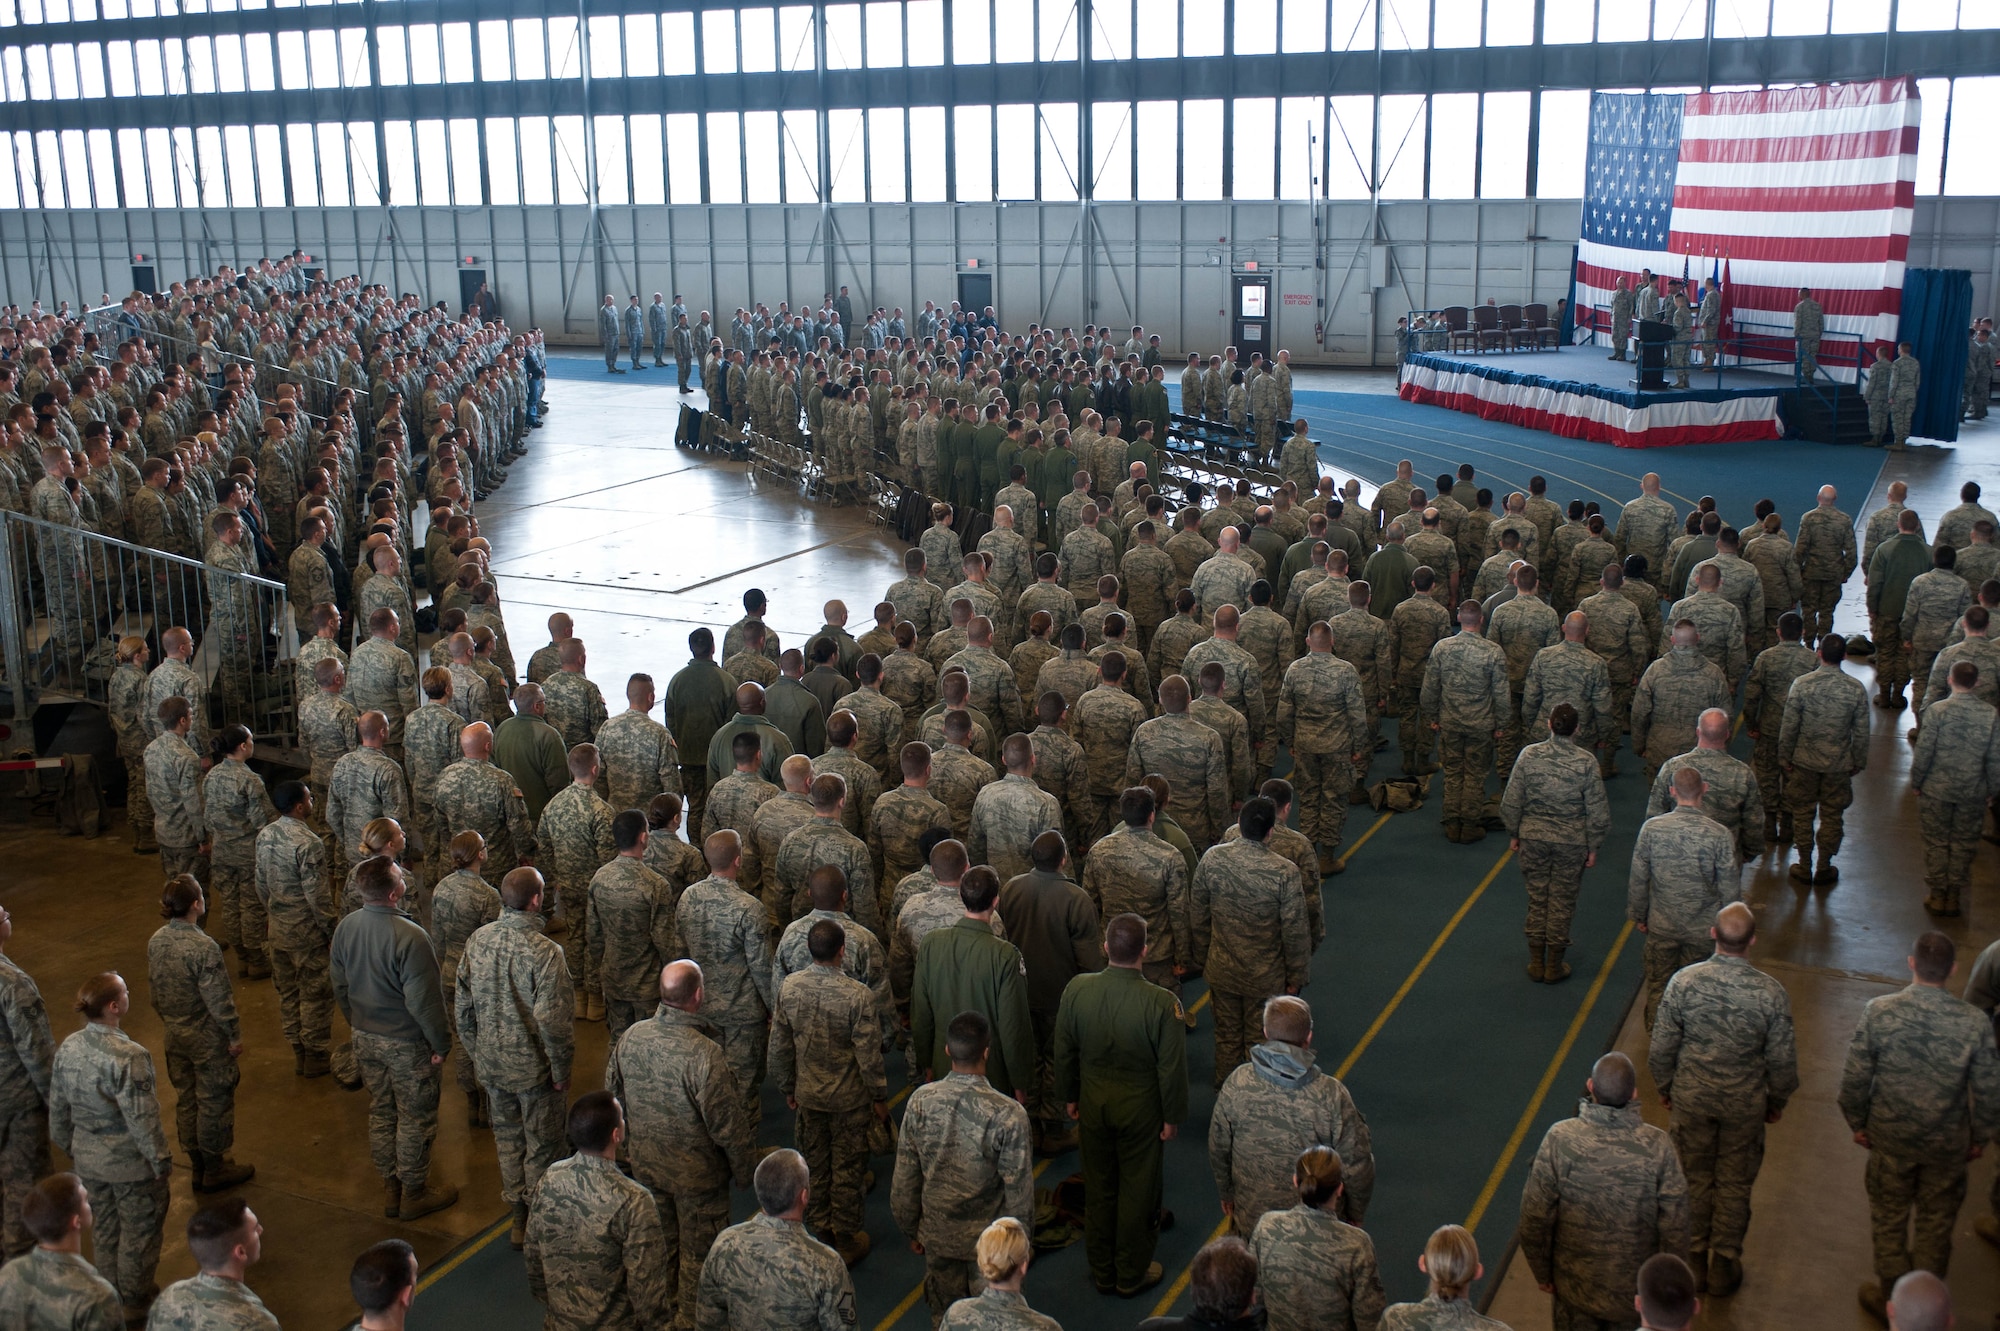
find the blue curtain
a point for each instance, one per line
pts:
(1568, 333)
(1936, 319)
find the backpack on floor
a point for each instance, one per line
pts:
(79, 801)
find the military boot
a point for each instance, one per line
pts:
(1725, 1276)
(197, 1170)
(1937, 904)
(314, 1065)
(476, 1115)
(426, 1200)
(1784, 834)
(852, 1247)
(392, 1197)
(1554, 969)
(517, 1234)
(1827, 875)
(298, 1061)
(1358, 794)
(1536, 968)
(1870, 1298)
(219, 1173)
(1802, 871)
(1330, 862)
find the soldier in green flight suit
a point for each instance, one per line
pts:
(1121, 1069)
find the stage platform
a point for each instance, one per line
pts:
(1578, 393)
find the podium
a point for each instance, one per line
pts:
(1654, 337)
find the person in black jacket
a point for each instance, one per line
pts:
(1224, 1277)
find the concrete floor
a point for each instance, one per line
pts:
(640, 543)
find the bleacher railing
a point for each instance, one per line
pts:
(67, 596)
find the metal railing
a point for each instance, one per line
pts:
(68, 595)
(1753, 346)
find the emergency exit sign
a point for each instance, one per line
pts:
(1298, 298)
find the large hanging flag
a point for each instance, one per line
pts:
(1810, 187)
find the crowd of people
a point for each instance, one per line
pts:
(993, 836)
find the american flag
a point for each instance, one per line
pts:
(1793, 187)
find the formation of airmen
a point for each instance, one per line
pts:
(996, 835)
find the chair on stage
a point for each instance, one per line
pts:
(1535, 330)
(1486, 329)
(1457, 331)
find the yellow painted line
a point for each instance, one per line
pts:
(1362, 840)
(910, 1299)
(464, 1255)
(1175, 1290)
(899, 1097)
(1548, 1080)
(1198, 1004)
(1423, 964)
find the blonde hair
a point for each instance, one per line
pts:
(377, 835)
(1003, 1249)
(1451, 1259)
(129, 649)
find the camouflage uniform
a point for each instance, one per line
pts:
(1247, 911)
(125, 708)
(594, 1249)
(1825, 551)
(1672, 695)
(366, 784)
(1522, 627)
(1554, 806)
(687, 1137)
(1956, 770)
(480, 797)
(1242, 688)
(173, 785)
(328, 731)
(45, 1290)
(826, 1054)
(640, 759)
(1103, 722)
(995, 1310)
(1466, 696)
(898, 819)
(1722, 1052)
(1063, 770)
(1823, 742)
(1923, 1081)
(1604, 1193)
(575, 707)
(964, 1158)
(209, 1303)
(878, 734)
(1616, 631)
(430, 744)
(296, 897)
(381, 677)
(742, 803)
(105, 1116)
(1134, 870)
(1323, 721)
(864, 785)
(1416, 626)
(1070, 673)
(1933, 604)
(722, 931)
(920, 601)
(1772, 675)
(237, 807)
(574, 836)
(1269, 1111)
(461, 904)
(820, 842)
(1772, 555)
(25, 1054)
(1435, 1314)
(514, 1012)
(1191, 755)
(1007, 816)
(630, 937)
(190, 991)
(1316, 1271)
(1684, 870)
(768, 1272)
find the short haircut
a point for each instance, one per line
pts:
(214, 1230)
(1136, 805)
(381, 1273)
(949, 860)
(979, 888)
(745, 747)
(51, 1205)
(520, 887)
(1666, 1292)
(1225, 1280)
(968, 1037)
(825, 940)
(1125, 939)
(781, 1176)
(1933, 957)
(592, 1121)
(828, 789)
(627, 828)
(1833, 648)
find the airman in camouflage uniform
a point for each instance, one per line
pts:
(1734, 797)
(1267, 636)
(1521, 627)
(901, 817)
(826, 1056)
(25, 1054)
(1822, 744)
(1247, 910)
(575, 706)
(1826, 555)
(48, 1289)
(640, 758)
(430, 744)
(1771, 677)
(722, 930)
(1323, 718)
(1723, 1056)
(1931, 607)
(237, 808)
(1604, 1193)
(365, 785)
(461, 903)
(1616, 631)
(1176, 637)
(574, 838)
(878, 721)
(1062, 768)
(296, 897)
(173, 785)
(1315, 1268)
(104, 1114)
(381, 677)
(1465, 699)
(1771, 553)
(769, 1271)
(1008, 814)
(824, 841)
(1684, 870)
(514, 1013)
(629, 929)
(1569, 672)
(474, 795)
(594, 1245)
(1273, 1108)
(125, 708)
(1193, 758)
(1415, 627)
(1670, 698)
(329, 730)
(1883, 522)
(1243, 688)
(1921, 1089)
(688, 1136)
(190, 991)
(1556, 814)
(1954, 770)
(1103, 721)
(1070, 673)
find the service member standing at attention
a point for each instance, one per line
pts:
(1121, 1067)
(1273, 1108)
(1724, 1059)
(1604, 1193)
(723, 929)
(1248, 913)
(516, 1025)
(104, 1114)
(1822, 746)
(190, 990)
(1921, 1090)
(1056, 928)
(25, 1056)
(1557, 817)
(1954, 771)
(1465, 699)
(1315, 1271)
(1684, 870)
(1826, 554)
(226, 1239)
(769, 1271)
(967, 968)
(964, 1159)
(1323, 720)
(387, 983)
(50, 1287)
(594, 1247)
